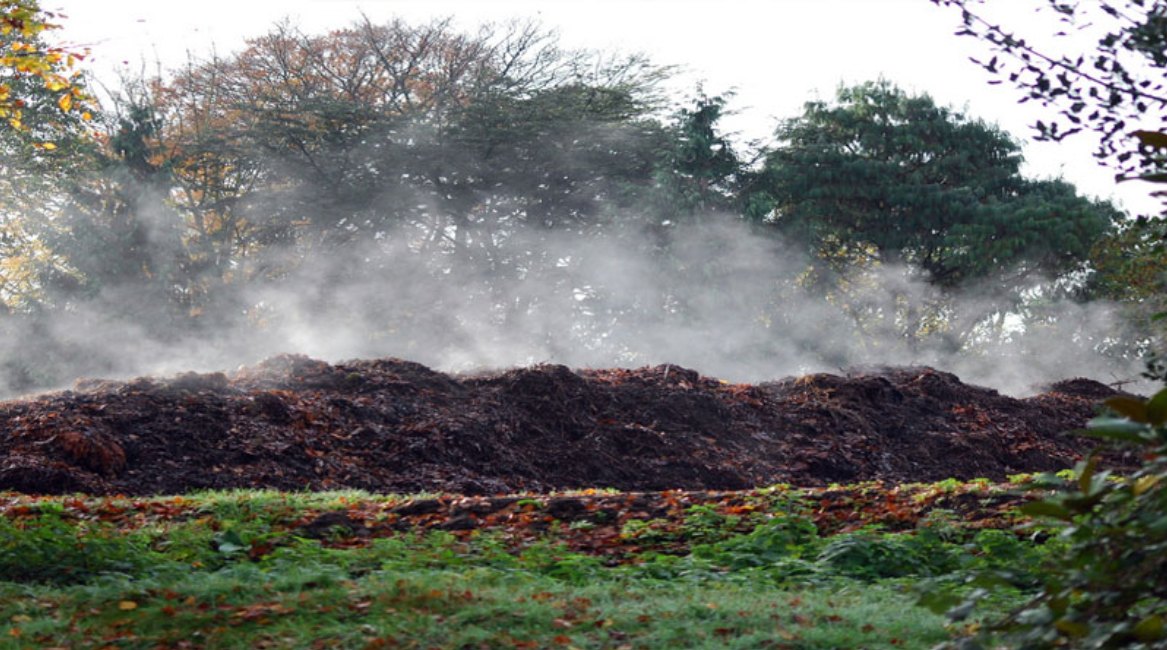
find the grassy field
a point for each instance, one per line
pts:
(778, 568)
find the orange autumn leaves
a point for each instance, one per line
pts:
(24, 57)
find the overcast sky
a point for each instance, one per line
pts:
(774, 54)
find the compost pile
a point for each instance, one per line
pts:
(295, 423)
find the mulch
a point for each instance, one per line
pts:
(387, 425)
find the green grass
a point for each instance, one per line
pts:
(306, 605)
(234, 570)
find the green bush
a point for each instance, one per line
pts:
(1108, 588)
(868, 554)
(779, 539)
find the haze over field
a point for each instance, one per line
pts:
(727, 303)
(508, 198)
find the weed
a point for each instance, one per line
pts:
(778, 539)
(869, 554)
(50, 549)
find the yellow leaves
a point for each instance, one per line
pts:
(25, 56)
(127, 605)
(24, 17)
(14, 264)
(1144, 484)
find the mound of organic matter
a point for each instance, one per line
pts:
(390, 425)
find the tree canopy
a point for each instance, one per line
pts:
(883, 174)
(395, 158)
(34, 75)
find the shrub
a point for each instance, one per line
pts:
(1108, 588)
(868, 554)
(779, 539)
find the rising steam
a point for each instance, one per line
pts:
(717, 296)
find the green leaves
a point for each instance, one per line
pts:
(1139, 423)
(698, 172)
(1047, 509)
(904, 179)
(54, 550)
(1156, 408)
(1121, 429)
(229, 542)
(1132, 408)
(1106, 591)
(1150, 628)
(1152, 411)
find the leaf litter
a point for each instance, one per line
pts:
(393, 426)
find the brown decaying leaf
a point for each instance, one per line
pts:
(392, 426)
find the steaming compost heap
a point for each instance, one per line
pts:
(390, 425)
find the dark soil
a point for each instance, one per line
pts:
(294, 423)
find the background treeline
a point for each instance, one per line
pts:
(435, 193)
